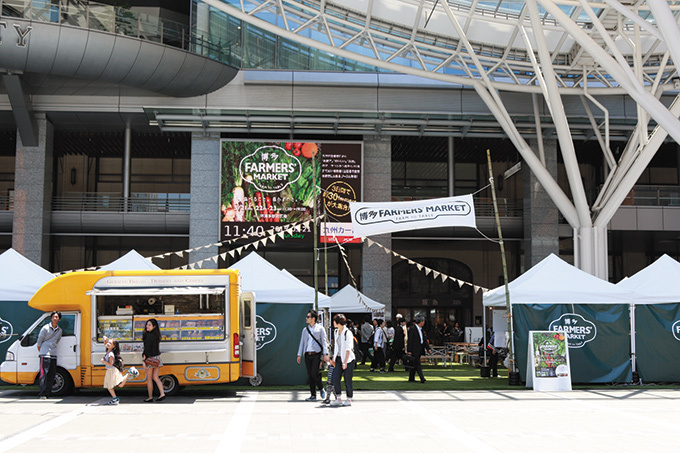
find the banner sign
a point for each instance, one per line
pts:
(380, 218)
(657, 342)
(601, 335)
(15, 318)
(279, 327)
(548, 368)
(264, 185)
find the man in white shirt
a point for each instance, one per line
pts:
(312, 345)
(379, 340)
(364, 345)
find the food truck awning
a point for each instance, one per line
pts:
(156, 291)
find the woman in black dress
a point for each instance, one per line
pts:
(152, 341)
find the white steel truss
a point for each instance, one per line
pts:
(550, 48)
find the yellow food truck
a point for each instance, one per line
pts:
(207, 327)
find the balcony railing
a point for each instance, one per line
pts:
(653, 196)
(167, 202)
(6, 202)
(115, 19)
(113, 202)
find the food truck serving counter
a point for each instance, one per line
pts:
(206, 325)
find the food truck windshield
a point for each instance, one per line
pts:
(181, 317)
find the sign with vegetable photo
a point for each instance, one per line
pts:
(265, 184)
(550, 356)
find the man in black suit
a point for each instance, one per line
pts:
(399, 343)
(417, 345)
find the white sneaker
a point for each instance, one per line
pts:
(336, 403)
(133, 372)
(347, 402)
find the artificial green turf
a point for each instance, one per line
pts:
(454, 377)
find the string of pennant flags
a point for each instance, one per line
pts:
(427, 270)
(280, 232)
(369, 242)
(271, 235)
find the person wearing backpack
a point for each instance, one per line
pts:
(312, 345)
(114, 370)
(343, 361)
(379, 346)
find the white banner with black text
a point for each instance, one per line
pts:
(380, 218)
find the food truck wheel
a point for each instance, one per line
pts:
(63, 384)
(256, 381)
(170, 384)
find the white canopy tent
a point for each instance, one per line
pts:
(349, 300)
(554, 281)
(282, 302)
(272, 284)
(20, 277)
(655, 284)
(131, 261)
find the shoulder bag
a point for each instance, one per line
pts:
(152, 362)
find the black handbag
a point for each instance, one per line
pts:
(409, 361)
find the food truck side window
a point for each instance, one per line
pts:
(67, 323)
(247, 312)
(181, 317)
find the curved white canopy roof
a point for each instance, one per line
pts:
(657, 283)
(131, 261)
(20, 277)
(350, 300)
(272, 285)
(554, 281)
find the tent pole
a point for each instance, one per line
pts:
(632, 342)
(505, 266)
(316, 239)
(325, 247)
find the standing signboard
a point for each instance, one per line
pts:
(549, 368)
(599, 337)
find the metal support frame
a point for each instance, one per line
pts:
(451, 56)
(22, 109)
(127, 166)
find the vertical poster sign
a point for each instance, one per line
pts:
(341, 184)
(548, 367)
(265, 185)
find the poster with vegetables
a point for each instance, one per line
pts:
(549, 361)
(265, 184)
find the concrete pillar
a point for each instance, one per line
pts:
(33, 195)
(204, 221)
(541, 216)
(376, 265)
